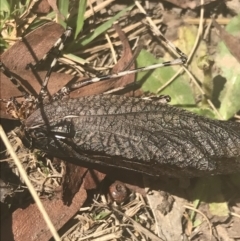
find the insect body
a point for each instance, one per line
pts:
(136, 134)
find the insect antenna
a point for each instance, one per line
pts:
(21, 111)
(25, 92)
(67, 89)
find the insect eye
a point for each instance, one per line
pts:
(38, 134)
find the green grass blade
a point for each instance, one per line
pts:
(80, 17)
(63, 7)
(76, 59)
(104, 27)
(4, 6)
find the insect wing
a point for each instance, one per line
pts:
(142, 135)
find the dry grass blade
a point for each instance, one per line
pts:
(29, 184)
(209, 224)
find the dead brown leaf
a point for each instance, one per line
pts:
(41, 7)
(232, 42)
(76, 176)
(32, 47)
(28, 79)
(28, 224)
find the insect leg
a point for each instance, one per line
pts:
(67, 89)
(59, 45)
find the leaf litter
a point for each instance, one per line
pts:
(102, 215)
